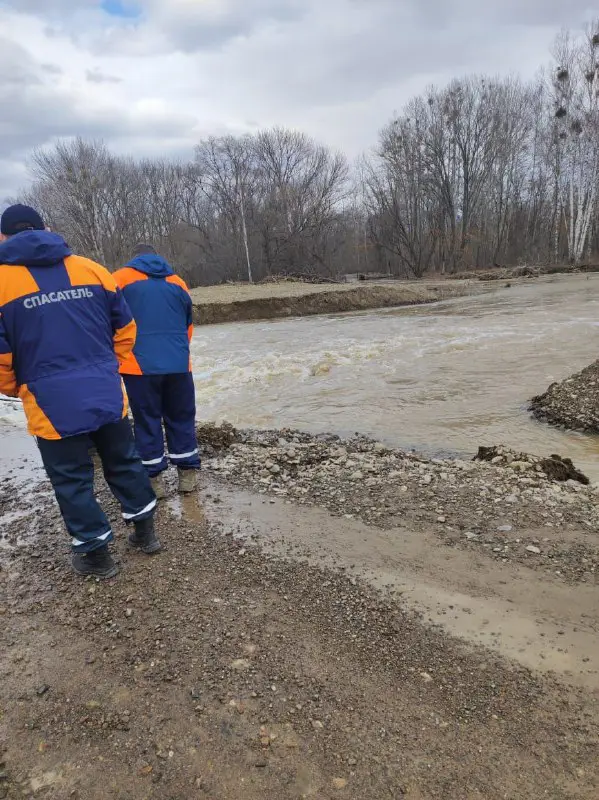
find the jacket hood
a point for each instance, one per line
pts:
(34, 249)
(153, 265)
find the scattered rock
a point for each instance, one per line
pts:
(339, 783)
(240, 664)
(355, 479)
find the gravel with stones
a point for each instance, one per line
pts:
(573, 403)
(217, 673)
(509, 508)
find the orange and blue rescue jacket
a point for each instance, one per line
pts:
(161, 306)
(64, 329)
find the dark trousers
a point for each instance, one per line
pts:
(155, 399)
(70, 468)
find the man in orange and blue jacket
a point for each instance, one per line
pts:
(157, 373)
(64, 329)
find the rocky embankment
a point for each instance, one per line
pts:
(514, 507)
(572, 403)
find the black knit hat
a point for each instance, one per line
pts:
(19, 218)
(144, 250)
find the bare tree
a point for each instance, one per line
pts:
(227, 177)
(576, 88)
(480, 172)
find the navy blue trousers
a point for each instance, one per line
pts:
(71, 471)
(155, 399)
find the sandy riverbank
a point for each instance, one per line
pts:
(242, 302)
(309, 632)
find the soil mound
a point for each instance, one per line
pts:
(218, 304)
(572, 403)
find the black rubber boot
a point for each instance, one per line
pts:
(98, 563)
(145, 538)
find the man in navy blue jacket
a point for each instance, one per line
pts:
(157, 373)
(64, 330)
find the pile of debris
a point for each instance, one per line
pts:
(555, 467)
(572, 403)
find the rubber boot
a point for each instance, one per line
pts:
(159, 486)
(98, 563)
(188, 480)
(144, 537)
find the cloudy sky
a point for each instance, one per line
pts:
(153, 76)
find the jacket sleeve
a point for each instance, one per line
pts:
(189, 303)
(188, 308)
(8, 379)
(124, 329)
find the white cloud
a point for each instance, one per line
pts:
(154, 82)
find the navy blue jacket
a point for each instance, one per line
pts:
(161, 306)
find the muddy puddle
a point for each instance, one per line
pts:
(545, 626)
(21, 469)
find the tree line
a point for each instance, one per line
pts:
(482, 172)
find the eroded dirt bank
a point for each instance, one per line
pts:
(234, 666)
(238, 303)
(572, 403)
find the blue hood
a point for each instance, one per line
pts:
(153, 265)
(34, 249)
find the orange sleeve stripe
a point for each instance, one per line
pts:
(124, 341)
(190, 332)
(125, 400)
(8, 380)
(130, 366)
(38, 423)
(16, 282)
(178, 282)
(126, 276)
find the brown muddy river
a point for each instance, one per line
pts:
(443, 378)
(440, 378)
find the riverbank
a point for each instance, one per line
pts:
(511, 508)
(314, 629)
(243, 302)
(528, 271)
(572, 403)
